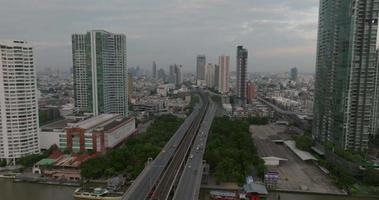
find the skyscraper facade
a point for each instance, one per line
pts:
(293, 74)
(223, 62)
(18, 101)
(346, 73)
(154, 70)
(242, 54)
(130, 86)
(162, 74)
(209, 75)
(200, 67)
(176, 74)
(251, 92)
(100, 72)
(217, 77)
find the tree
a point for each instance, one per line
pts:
(130, 157)
(303, 142)
(371, 177)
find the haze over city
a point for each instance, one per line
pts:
(279, 34)
(189, 100)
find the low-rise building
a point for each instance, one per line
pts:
(95, 134)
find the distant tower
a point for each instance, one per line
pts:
(18, 101)
(130, 86)
(172, 74)
(209, 75)
(178, 75)
(251, 92)
(100, 73)
(346, 73)
(200, 67)
(162, 74)
(154, 70)
(293, 74)
(241, 72)
(223, 62)
(217, 77)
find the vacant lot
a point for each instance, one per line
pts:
(295, 174)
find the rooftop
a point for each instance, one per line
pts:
(93, 122)
(60, 124)
(304, 155)
(255, 188)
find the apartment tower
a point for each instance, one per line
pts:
(346, 73)
(241, 65)
(223, 62)
(100, 72)
(18, 101)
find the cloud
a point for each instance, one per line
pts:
(171, 31)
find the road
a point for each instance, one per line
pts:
(188, 187)
(279, 110)
(169, 178)
(144, 183)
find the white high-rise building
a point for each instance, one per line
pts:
(18, 101)
(223, 85)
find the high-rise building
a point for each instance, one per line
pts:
(176, 74)
(18, 101)
(209, 75)
(161, 74)
(100, 72)
(293, 74)
(241, 72)
(223, 62)
(201, 62)
(172, 74)
(346, 73)
(217, 77)
(251, 92)
(154, 70)
(130, 86)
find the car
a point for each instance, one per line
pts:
(191, 156)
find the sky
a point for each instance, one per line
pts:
(279, 34)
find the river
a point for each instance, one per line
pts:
(10, 190)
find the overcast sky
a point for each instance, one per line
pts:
(279, 34)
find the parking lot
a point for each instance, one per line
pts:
(295, 174)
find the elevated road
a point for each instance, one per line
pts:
(189, 184)
(144, 183)
(279, 110)
(163, 189)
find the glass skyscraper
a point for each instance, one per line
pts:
(346, 73)
(100, 72)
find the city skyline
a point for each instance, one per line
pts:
(250, 24)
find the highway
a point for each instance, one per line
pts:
(145, 182)
(189, 184)
(169, 178)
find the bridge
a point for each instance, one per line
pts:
(177, 170)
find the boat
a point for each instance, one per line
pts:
(96, 194)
